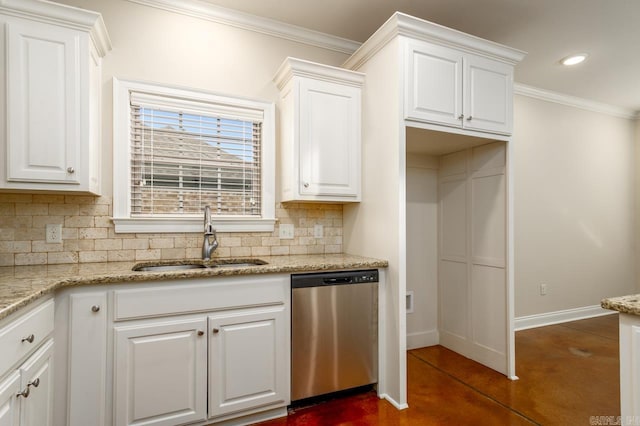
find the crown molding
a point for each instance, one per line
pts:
(297, 67)
(61, 15)
(202, 10)
(572, 101)
(401, 24)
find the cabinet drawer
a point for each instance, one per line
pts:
(16, 338)
(218, 293)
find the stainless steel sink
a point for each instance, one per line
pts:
(237, 263)
(183, 266)
(167, 267)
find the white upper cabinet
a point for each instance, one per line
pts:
(320, 134)
(52, 70)
(450, 87)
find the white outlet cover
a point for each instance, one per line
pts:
(318, 231)
(286, 231)
(53, 233)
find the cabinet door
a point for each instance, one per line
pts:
(248, 360)
(488, 95)
(43, 90)
(329, 139)
(36, 375)
(9, 388)
(160, 372)
(433, 86)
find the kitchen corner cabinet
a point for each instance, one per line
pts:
(26, 359)
(52, 94)
(320, 132)
(450, 87)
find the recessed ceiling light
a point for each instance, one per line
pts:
(574, 59)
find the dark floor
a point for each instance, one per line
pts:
(568, 373)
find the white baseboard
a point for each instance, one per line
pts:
(422, 339)
(394, 403)
(557, 317)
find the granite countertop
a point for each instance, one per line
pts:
(624, 304)
(21, 285)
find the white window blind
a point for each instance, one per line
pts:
(186, 154)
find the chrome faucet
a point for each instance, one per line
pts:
(208, 247)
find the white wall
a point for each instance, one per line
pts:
(575, 208)
(422, 249)
(150, 44)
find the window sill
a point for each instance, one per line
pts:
(173, 225)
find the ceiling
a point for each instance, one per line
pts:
(549, 30)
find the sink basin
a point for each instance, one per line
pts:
(237, 263)
(167, 267)
(182, 265)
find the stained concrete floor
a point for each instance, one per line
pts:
(567, 373)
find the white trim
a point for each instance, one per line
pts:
(394, 402)
(573, 101)
(122, 172)
(246, 21)
(422, 339)
(400, 24)
(557, 317)
(62, 15)
(191, 224)
(291, 67)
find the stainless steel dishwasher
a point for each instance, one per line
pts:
(334, 332)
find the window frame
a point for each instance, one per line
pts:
(122, 219)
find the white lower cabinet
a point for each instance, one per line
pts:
(160, 372)
(26, 396)
(248, 356)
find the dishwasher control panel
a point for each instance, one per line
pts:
(366, 277)
(320, 279)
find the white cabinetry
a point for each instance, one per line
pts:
(26, 385)
(450, 87)
(320, 134)
(160, 372)
(248, 355)
(52, 70)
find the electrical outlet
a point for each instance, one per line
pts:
(54, 233)
(318, 231)
(543, 289)
(286, 231)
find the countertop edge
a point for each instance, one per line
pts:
(48, 286)
(629, 304)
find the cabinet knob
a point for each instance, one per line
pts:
(306, 184)
(71, 170)
(469, 118)
(461, 116)
(30, 338)
(95, 308)
(216, 330)
(35, 383)
(200, 333)
(24, 393)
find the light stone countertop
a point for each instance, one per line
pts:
(623, 304)
(21, 285)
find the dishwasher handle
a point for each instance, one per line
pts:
(341, 280)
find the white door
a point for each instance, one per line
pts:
(472, 266)
(488, 95)
(37, 376)
(329, 139)
(433, 86)
(43, 91)
(9, 388)
(248, 360)
(160, 372)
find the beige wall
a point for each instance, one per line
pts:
(637, 212)
(575, 209)
(154, 45)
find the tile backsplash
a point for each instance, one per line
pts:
(88, 233)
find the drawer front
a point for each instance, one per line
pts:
(25, 334)
(219, 293)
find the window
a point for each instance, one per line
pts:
(179, 150)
